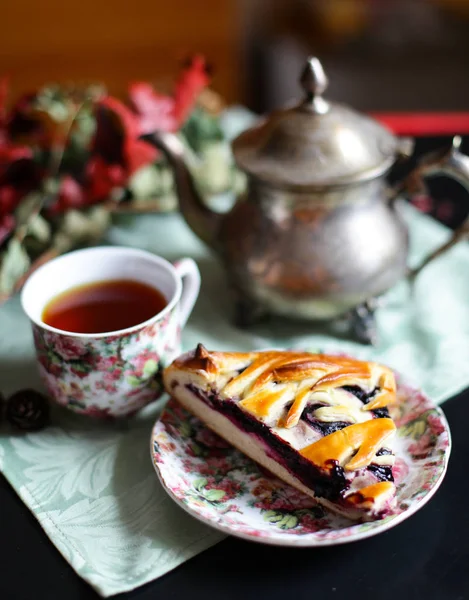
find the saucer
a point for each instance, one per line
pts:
(221, 487)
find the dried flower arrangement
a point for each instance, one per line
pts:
(71, 157)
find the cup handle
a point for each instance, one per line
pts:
(189, 273)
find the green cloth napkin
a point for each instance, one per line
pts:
(92, 486)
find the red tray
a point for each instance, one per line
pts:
(425, 124)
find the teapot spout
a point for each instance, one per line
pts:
(204, 222)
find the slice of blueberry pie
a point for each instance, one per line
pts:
(319, 422)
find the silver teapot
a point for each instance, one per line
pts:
(317, 235)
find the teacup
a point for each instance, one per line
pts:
(111, 374)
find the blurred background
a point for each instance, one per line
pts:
(379, 54)
(72, 157)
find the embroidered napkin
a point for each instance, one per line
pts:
(92, 486)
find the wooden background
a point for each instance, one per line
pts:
(257, 47)
(117, 41)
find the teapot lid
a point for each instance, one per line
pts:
(315, 143)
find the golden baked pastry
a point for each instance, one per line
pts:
(317, 421)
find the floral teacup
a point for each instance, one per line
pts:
(116, 373)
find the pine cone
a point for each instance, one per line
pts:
(27, 410)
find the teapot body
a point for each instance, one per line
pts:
(312, 254)
(316, 235)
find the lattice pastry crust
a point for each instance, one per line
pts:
(317, 421)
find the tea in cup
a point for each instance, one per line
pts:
(106, 321)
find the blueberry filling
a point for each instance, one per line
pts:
(325, 428)
(381, 413)
(205, 397)
(365, 397)
(383, 473)
(328, 486)
(383, 452)
(362, 395)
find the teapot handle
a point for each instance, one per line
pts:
(453, 164)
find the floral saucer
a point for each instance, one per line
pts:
(220, 486)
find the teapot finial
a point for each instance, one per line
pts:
(314, 82)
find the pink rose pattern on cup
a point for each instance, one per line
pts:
(91, 376)
(219, 484)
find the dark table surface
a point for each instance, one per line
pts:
(425, 557)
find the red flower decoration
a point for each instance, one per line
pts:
(7, 224)
(155, 111)
(11, 153)
(116, 140)
(23, 125)
(70, 195)
(193, 80)
(114, 154)
(19, 174)
(102, 178)
(9, 198)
